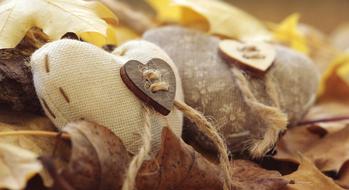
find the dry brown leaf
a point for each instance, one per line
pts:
(178, 166)
(308, 177)
(328, 152)
(331, 152)
(318, 140)
(98, 158)
(252, 177)
(343, 175)
(297, 139)
(329, 110)
(17, 166)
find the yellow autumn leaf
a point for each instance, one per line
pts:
(124, 34)
(55, 17)
(335, 80)
(287, 32)
(99, 39)
(222, 19)
(116, 35)
(166, 11)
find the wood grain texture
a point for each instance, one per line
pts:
(132, 75)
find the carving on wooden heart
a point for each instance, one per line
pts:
(256, 55)
(132, 74)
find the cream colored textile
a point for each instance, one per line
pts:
(83, 81)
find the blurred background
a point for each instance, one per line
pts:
(322, 14)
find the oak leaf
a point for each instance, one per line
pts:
(17, 166)
(308, 177)
(55, 18)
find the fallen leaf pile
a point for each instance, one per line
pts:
(34, 155)
(98, 160)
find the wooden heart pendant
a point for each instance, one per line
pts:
(255, 55)
(154, 83)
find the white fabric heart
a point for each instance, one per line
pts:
(75, 80)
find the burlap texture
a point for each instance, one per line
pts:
(211, 87)
(90, 79)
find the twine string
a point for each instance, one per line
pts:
(154, 77)
(207, 128)
(138, 159)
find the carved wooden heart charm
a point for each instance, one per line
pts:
(255, 55)
(154, 83)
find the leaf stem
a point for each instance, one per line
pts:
(324, 120)
(34, 133)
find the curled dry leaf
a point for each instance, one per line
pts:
(17, 166)
(178, 166)
(18, 16)
(308, 177)
(98, 158)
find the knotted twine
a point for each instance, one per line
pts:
(276, 119)
(193, 115)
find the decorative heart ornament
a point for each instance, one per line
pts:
(76, 80)
(154, 83)
(255, 55)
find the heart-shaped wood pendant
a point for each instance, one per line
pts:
(255, 55)
(154, 83)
